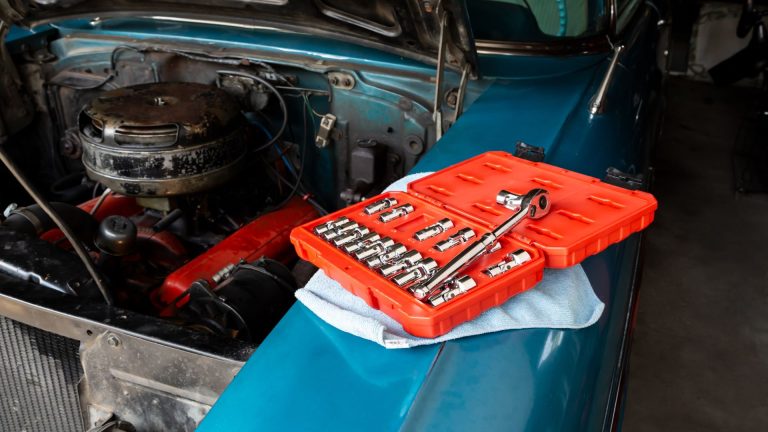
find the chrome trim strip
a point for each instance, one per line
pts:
(619, 382)
(331, 12)
(592, 45)
(214, 22)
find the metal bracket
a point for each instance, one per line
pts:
(341, 80)
(462, 92)
(323, 135)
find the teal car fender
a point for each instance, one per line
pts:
(308, 375)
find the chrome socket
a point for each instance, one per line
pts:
(462, 236)
(339, 230)
(363, 242)
(320, 229)
(396, 213)
(224, 273)
(354, 234)
(379, 205)
(408, 259)
(509, 200)
(375, 248)
(393, 253)
(437, 228)
(417, 272)
(420, 291)
(513, 259)
(452, 289)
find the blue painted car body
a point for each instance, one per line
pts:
(309, 376)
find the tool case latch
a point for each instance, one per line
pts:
(627, 181)
(529, 152)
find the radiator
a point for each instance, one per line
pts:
(39, 374)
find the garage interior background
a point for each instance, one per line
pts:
(701, 340)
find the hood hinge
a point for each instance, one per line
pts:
(444, 50)
(437, 114)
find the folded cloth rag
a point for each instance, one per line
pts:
(563, 299)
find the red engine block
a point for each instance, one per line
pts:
(268, 236)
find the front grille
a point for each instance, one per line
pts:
(39, 373)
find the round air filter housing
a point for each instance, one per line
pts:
(162, 139)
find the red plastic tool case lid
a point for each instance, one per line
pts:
(585, 217)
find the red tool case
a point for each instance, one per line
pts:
(585, 217)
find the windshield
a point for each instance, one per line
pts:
(536, 20)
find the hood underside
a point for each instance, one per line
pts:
(410, 28)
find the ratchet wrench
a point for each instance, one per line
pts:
(534, 205)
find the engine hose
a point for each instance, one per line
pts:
(71, 188)
(34, 221)
(81, 252)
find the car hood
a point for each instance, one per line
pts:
(410, 28)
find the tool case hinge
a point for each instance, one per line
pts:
(529, 152)
(621, 179)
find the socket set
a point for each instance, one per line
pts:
(469, 237)
(401, 260)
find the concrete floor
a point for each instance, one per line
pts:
(699, 358)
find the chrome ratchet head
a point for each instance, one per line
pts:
(536, 200)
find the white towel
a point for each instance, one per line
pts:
(563, 299)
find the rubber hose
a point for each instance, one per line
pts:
(34, 221)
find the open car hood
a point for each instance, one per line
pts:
(410, 28)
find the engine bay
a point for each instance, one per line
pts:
(182, 173)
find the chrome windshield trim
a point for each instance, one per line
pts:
(590, 45)
(594, 44)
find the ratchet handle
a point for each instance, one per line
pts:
(463, 259)
(534, 205)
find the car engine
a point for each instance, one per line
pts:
(178, 228)
(182, 174)
(175, 174)
(151, 183)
